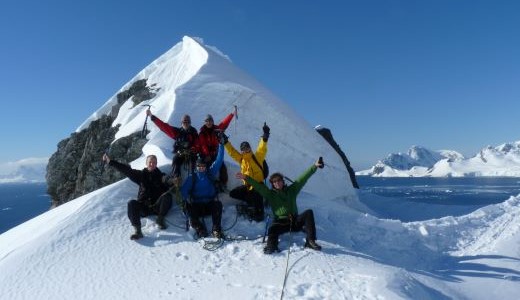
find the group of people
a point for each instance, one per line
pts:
(203, 152)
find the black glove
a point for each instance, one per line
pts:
(222, 137)
(266, 130)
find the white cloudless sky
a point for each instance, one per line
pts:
(383, 75)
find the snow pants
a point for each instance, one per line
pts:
(137, 209)
(196, 210)
(302, 222)
(251, 197)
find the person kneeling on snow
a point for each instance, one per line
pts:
(201, 194)
(151, 197)
(282, 199)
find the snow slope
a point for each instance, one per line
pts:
(82, 250)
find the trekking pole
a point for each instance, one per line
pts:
(145, 125)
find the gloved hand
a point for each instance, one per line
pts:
(266, 130)
(319, 163)
(222, 138)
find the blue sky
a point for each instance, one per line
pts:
(383, 75)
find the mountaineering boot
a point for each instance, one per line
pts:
(160, 222)
(201, 232)
(218, 234)
(137, 234)
(312, 244)
(272, 246)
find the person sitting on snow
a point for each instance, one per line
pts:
(150, 199)
(282, 199)
(251, 165)
(201, 195)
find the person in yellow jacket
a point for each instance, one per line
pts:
(251, 164)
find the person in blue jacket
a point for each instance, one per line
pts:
(200, 194)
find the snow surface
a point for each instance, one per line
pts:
(82, 250)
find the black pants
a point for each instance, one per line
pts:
(137, 209)
(197, 210)
(303, 222)
(180, 159)
(251, 197)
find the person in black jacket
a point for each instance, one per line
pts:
(151, 197)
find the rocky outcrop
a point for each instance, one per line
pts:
(76, 168)
(327, 135)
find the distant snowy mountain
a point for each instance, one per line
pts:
(502, 160)
(24, 171)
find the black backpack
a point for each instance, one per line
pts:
(264, 168)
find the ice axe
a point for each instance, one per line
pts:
(145, 125)
(236, 118)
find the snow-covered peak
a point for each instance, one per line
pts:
(416, 156)
(196, 79)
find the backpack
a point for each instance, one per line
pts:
(264, 167)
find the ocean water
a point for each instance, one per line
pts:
(409, 199)
(20, 202)
(428, 198)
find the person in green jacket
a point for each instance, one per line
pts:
(282, 199)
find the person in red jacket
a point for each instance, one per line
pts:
(186, 141)
(208, 143)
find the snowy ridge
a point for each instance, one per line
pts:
(191, 78)
(502, 160)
